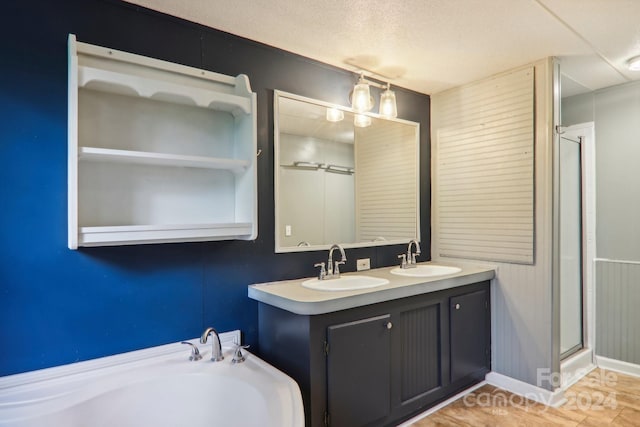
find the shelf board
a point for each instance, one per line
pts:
(162, 233)
(130, 84)
(160, 159)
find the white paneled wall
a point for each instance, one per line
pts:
(523, 330)
(617, 301)
(485, 170)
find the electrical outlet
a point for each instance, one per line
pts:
(363, 264)
(287, 230)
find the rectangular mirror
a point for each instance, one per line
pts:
(342, 177)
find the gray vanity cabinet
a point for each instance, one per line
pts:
(380, 364)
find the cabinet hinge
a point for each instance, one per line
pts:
(486, 304)
(326, 348)
(327, 420)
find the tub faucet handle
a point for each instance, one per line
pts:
(195, 353)
(238, 357)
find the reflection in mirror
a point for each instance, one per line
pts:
(342, 177)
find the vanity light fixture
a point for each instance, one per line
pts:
(634, 63)
(362, 101)
(334, 115)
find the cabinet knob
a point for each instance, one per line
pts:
(457, 306)
(389, 325)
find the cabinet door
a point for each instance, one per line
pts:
(358, 371)
(469, 334)
(420, 344)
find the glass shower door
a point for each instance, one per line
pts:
(570, 246)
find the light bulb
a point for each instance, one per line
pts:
(334, 115)
(361, 96)
(388, 106)
(361, 121)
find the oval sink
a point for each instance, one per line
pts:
(426, 271)
(344, 283)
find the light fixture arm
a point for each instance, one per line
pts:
(362, 101)
(363, 79)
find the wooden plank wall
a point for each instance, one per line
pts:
(485, 170)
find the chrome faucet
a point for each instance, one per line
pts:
(409, 260)
(333, 267)
(216, 346)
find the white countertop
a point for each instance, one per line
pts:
(290, 295)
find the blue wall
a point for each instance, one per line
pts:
(59, 306)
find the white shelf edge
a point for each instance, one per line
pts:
(162, 227)
(72, 145)
(160, 159)
(161, 233)
(151, 88)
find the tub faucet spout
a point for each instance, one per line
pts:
(216, 346)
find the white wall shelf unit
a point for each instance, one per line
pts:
(158, 152)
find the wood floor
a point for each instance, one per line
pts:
(602, 398)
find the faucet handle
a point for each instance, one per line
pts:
(413, 257)
(238, 357)
(195, 353)
(403, 264)
(336, 268)
(323, 271)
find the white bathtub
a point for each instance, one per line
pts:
(154, 387)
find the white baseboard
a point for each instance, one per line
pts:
(618, 366)
(574, 368)
(537, 394)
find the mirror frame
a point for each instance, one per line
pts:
(277, 94)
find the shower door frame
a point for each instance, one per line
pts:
(587, 133)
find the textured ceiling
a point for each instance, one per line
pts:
(433, 45)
